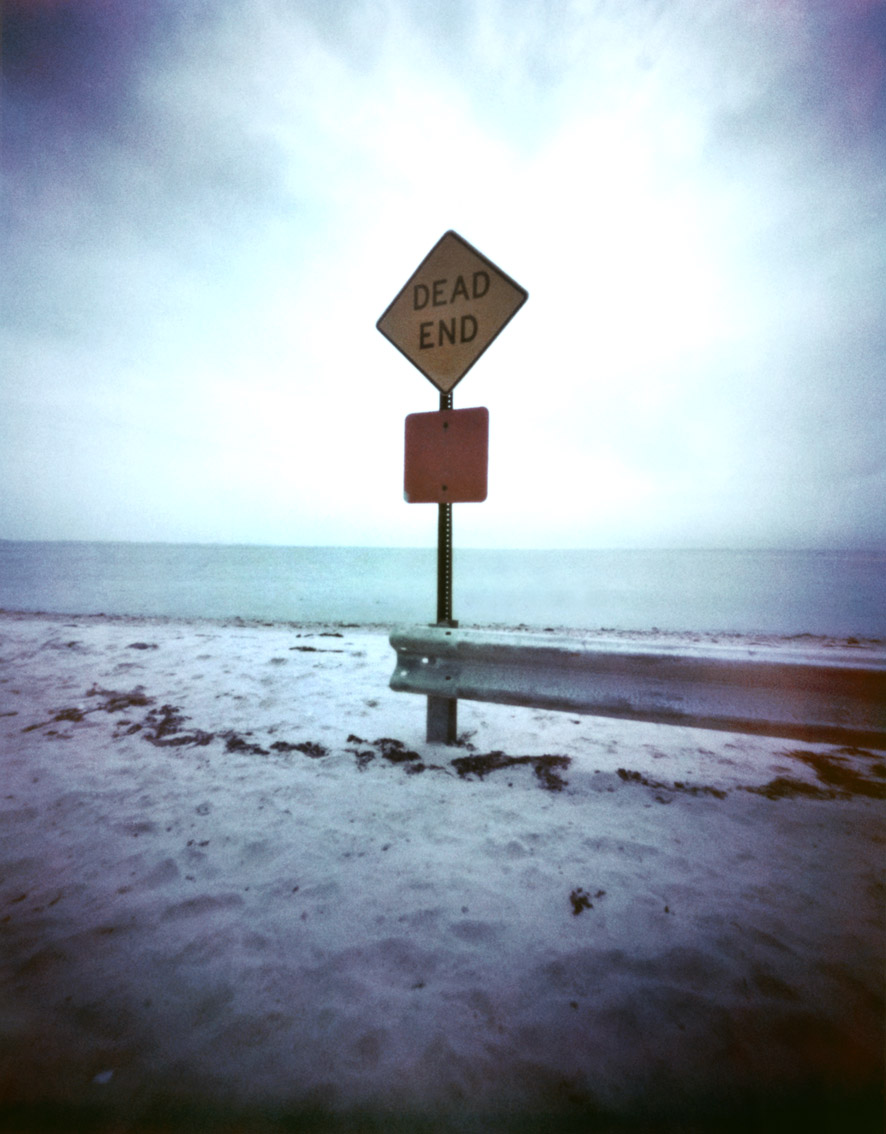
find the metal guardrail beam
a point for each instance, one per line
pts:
(835, 695)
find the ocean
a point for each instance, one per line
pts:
(839, 593)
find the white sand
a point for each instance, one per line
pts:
(194, 932)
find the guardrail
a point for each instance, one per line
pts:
(830, 694)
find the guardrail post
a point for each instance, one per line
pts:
(442, 720)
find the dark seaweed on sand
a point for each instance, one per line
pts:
(545, 767)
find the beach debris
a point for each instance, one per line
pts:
(115, 702)
(631, 777)
(785, 787)
(237, 743)
(164, 729)
(581, 900)
(843, 772)
(396, 752)
(836, 771)
(69, 715)
(392, 750)
(545, 767)
(364, 757)
(306, 747)
(312, 749)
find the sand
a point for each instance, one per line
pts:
(239, 891)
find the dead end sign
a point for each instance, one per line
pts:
(451, 308)
(447, 456)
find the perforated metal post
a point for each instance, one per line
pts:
(444, 564)
(443, 711)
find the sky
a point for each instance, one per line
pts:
(206, 206)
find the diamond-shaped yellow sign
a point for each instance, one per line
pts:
(453, 306)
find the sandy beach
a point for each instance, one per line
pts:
(238, 891)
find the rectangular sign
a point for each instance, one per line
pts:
(451, 308)
(447, 456)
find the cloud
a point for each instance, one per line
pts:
(209, 206)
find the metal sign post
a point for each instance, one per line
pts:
(442, 720)
(452, 307)
(444, 549)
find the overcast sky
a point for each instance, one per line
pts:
(207, 206)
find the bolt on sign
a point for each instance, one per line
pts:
(450, 310)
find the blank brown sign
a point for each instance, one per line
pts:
(447, 456)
